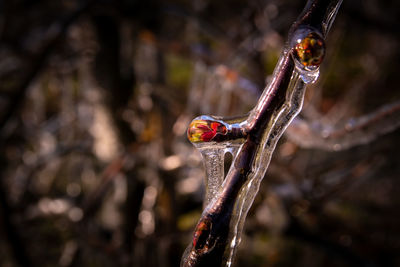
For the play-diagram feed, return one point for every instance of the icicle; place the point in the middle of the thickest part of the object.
(213, 158)
(274, 131)
(308, 76)
(204, 132)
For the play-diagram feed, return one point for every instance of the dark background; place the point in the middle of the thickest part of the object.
(95, 98)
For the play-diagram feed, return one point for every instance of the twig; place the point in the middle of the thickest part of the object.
(218, 230)
(353, 132)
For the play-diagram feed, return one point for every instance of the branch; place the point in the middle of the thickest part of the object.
(218, 230)
(353, 132)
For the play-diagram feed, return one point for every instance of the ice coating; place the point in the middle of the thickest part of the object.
(270, 138)
(227, 206)
(309, 48)
(218, 232)
(308, 76)
(213, 158)
(206, 130)
(308, 52)
(203, 130)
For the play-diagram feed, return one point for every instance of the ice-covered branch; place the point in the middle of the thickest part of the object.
(350, 133)
(218, 231)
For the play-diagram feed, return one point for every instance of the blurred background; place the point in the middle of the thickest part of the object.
(95, 98)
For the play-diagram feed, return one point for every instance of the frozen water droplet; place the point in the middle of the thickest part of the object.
(308, 51)
(308, 76)
(205, 129)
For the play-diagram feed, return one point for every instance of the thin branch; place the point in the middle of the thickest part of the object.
(353, 132)
(214, 241)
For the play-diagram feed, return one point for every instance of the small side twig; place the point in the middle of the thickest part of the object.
(353, 132)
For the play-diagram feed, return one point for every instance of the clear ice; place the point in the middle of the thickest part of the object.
(213, 153)
(213, 158)
(307, 75)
